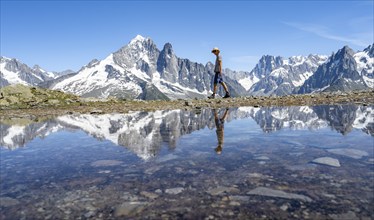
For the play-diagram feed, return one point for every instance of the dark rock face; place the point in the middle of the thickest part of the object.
(370, 50)
(167, 64)
(339, 73)
(151, 92)
(3, 81)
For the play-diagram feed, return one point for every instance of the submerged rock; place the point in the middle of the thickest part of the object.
(129, 209)
(149, 195)
(174, 191)
(327, 161)
(104, 163)
(353, 153)
(222, 189)
(167, 158)
(7, 201)
(263, 191)
(240, 198)
(262, 158)
(349, 215)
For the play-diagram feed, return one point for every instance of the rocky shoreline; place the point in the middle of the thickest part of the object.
(61, 103)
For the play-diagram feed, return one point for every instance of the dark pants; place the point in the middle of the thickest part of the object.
(218, 78)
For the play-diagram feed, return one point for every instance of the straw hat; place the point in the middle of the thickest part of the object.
(215, 49)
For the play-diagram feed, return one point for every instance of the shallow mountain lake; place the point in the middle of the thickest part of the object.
(241, 163)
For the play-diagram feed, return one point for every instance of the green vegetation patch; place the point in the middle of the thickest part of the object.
(21, 96)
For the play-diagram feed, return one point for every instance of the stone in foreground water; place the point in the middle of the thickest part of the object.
(327, 161)
(263, 191)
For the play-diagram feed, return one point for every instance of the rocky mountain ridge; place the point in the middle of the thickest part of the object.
(345, 70)
(279, 76)
(13, 71)
(140, 70)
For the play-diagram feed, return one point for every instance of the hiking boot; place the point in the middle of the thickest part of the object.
(227, 95)
(212, 96)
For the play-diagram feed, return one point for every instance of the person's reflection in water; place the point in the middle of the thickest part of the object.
(220, 129)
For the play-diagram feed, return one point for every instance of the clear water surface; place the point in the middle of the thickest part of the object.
(242, 163)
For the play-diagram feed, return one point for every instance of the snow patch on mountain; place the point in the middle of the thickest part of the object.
(303, 77)
(137, 39)
(174, 90)
(96, 76)
(365, 66)
(248, 82)
(11, 77)
(364, 61)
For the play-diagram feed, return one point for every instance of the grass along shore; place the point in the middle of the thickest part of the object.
(31, 102)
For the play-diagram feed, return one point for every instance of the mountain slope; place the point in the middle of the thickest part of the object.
(343, 71)
(13, 71)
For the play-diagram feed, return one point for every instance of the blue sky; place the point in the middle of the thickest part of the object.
(60, 35)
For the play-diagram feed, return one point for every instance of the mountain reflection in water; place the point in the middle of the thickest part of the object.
(145, 132)
(240, 163)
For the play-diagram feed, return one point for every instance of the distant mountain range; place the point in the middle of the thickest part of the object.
(343, 71)
(13, 71)
(140, 70)
(143, 133)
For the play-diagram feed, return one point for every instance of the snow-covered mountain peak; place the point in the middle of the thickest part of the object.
(318, 59)
(311, 59)
(295, 60)
(266, 64)
(137, 39)
(139, 53)
(140, 43)
(3, 59)
(38, 68)
(342, 53)
(139, 70)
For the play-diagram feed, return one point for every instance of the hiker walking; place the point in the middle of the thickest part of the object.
(218, 75)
